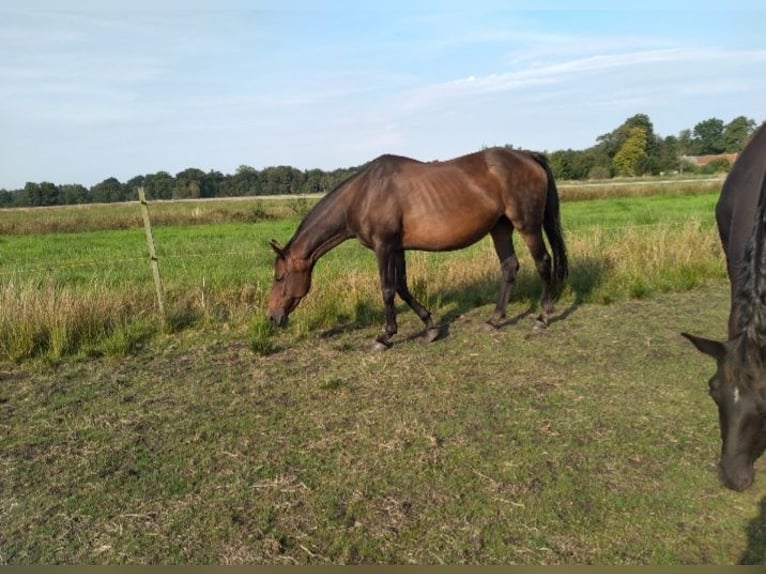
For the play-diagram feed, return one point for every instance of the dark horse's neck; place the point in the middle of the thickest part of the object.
(323, 228)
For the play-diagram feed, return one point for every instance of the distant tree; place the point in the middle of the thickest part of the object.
(685, 142)
(159, 185)
(74, 194)
(245, 181)
(282, 180)
(314, 182)
(707, 137)
(612, 142)
(571, 164)
(213, 183)
(632, 156)
(6, 198)
(736, 134)
(189, 184)
(669, 155)
(31, 195)
(560, 162)
(132, 185)
(49, 193)
(109, 190)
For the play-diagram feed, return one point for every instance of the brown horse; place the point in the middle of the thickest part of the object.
(396, 203)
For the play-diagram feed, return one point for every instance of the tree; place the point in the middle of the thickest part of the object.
(189, 184)
(245, 181)
(49, 193)
(669, 155)
(6, 198)
(107, 191)
(213, 183)
(685, 143)
(707, 137)
(736, 134)
(74, 194)
(30, 195)
(612, 142)
(132, 185)
(159, 185)
(632, 156)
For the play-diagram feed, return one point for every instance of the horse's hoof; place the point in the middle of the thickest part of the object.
(489, 327)
(431, 334)
(540, 325)
(380, 346)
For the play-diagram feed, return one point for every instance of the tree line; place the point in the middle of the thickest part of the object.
(632, 149)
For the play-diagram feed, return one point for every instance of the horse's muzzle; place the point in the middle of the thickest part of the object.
(736, 476)
(278, 317)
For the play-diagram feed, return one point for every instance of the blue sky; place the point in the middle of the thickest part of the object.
(96, 89)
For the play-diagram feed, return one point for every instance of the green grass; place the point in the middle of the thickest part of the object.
(99, 281)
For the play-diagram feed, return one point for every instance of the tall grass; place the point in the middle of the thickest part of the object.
(68, 293)
(606, 265)
(40, 318)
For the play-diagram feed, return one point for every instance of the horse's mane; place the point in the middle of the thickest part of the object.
(750, 292)
(318, 210)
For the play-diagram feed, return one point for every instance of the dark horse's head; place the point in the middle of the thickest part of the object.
(292, 280)
(737, 389)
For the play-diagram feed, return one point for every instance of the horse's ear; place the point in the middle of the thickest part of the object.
(277, 249)
(714, 349)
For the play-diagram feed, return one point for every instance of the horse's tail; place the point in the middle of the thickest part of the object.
(552, 226)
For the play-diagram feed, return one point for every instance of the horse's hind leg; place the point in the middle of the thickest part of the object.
(509, 266)
(431, 331)
(542, 259)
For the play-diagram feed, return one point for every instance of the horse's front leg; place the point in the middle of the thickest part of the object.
(431, 332)
(387, 271)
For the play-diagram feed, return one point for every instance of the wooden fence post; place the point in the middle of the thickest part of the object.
(152, 253)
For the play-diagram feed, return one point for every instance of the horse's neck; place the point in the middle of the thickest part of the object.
(322, 229)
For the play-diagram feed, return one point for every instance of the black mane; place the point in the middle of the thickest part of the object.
(750, 292)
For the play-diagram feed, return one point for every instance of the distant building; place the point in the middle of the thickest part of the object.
(700, 160)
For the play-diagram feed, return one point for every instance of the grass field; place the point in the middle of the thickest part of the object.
(91, 291)
(215, 441)
(594, 442)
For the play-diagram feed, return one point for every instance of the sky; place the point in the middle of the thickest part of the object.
(93, 89)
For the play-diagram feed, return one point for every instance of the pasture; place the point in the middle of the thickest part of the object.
(214, 440)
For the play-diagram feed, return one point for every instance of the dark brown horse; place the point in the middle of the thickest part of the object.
(396, 203)
(739, 385)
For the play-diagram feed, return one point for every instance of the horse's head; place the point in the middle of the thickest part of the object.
(738, 389)
(292, 280)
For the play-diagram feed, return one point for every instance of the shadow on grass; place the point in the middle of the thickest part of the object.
(584, 278)
(755, 553)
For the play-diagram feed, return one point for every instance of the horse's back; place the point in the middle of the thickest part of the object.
(445, 205)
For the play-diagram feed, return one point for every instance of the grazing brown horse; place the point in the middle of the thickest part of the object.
(396, 203)
(739, 385)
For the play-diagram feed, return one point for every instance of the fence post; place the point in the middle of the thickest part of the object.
(152, 253)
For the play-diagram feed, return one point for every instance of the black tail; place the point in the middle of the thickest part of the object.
(552, 226)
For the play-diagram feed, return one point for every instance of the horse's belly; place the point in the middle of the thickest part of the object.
(446, 233)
